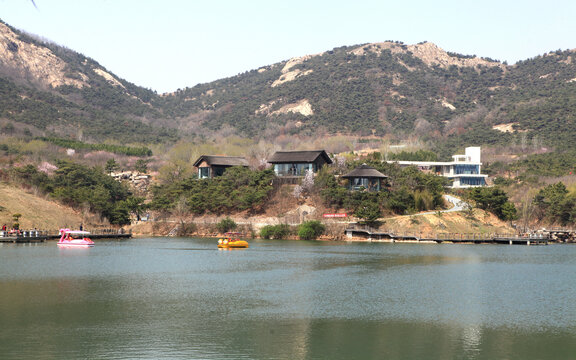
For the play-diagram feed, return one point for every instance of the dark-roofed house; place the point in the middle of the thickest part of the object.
(295, 163)
(210, 166)
(365, 177)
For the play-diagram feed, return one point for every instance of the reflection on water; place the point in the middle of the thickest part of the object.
(183, 299)
(471, 341)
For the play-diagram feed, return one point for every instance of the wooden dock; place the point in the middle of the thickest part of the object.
(37, 236)
(374, 235)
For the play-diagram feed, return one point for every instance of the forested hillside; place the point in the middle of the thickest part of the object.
(395, 90)
(386, 89)
(49, 89)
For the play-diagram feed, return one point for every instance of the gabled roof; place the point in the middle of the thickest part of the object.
(217, 160)
(283, 157)
(365, 171)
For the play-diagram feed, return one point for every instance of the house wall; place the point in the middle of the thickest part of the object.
(473, 153)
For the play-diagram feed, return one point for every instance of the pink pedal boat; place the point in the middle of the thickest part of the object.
(75, 238)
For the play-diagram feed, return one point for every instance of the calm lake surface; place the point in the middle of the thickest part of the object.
(181, 298)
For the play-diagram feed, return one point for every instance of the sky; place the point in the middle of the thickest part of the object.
(165, 45)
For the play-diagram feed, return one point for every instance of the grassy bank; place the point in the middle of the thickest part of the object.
(37, 211)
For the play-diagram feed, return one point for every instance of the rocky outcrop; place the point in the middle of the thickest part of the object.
(429, 53)
(290, 75)
(137, 181)
(302, 107)
(24, 60)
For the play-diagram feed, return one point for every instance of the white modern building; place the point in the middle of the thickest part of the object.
(464, 170)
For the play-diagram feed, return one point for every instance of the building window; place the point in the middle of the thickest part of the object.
(369, 184)
(466, 169)
(359, 183)
(293, 169)
(472, 181)
(204, 173)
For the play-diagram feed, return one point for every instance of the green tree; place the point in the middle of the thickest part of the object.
(509, 212)
(75, 184)
(491, 199)
(226, 225)
(368, 212)
(111, 166)
(238, 189)
(401, 200)
(280, 231)
(556, 204)
(119, 215)
(311, 230)
(141, 166)
(135, 206)
(31, 176)
(16, 217)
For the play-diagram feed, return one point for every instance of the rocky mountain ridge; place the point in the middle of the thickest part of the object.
(50, 90)
(386, 89)
(429, 53)
(39, 65)
(36, 64)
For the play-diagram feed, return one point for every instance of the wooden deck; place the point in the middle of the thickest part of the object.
(454, 238)
(34, 236)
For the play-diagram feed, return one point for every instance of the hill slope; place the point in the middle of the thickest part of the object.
(53, 90)
(393, 89)
(37, 212)
(385, 89)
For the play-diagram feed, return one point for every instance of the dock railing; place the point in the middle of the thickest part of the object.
(109, 231)
(24, 233)
(56, 233)
(393, 235)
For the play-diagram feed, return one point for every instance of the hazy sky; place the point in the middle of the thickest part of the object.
(169, 44)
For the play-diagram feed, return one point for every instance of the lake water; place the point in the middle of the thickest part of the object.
(181, 298)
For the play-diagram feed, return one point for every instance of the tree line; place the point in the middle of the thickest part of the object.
(116, 149)
(77, 185)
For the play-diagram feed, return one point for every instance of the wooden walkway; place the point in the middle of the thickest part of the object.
(454, 238)
(36, 236)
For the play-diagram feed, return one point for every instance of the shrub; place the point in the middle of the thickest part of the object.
(186, 229)
(275, 231)
(494, 200)
(226, 225)
(423, 201)
(238, 189)
(266, 232)
(310, 230)
(368, 212)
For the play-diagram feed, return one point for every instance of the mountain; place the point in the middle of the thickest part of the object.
(395, 89)
(369, 89)
(48, 89)
(384, 89)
